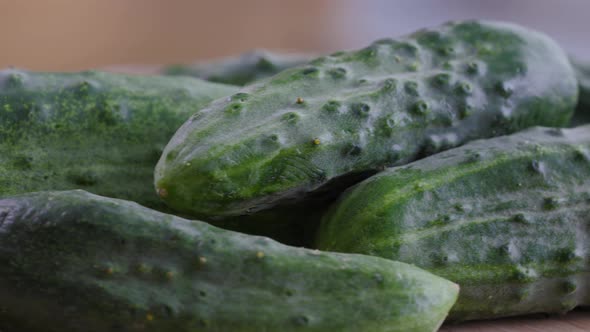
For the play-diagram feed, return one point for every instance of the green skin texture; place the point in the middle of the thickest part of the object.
(74, 261)
(388, 104)
(92, 130)
(582, 114)
(246, 68)
(505, 218)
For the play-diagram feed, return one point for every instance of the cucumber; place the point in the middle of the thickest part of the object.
(308, 131)
(74, 261)
(505, 218)
(91, 130)
(582, 113)
(240, 70)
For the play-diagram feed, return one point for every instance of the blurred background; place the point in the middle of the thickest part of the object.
(57, 35)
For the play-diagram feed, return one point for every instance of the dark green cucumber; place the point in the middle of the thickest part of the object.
(506, 218)
(74, 261)
(309, 130)
(246, 68)
(582, 113)
(97, 131)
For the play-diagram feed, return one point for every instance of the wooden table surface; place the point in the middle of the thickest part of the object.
(576, 321)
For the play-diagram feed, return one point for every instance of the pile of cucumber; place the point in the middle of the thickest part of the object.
(430, 177)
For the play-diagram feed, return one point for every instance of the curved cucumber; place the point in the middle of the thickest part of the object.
(97, 131)
(73, 261)
(505, 218)
(246, 68)
(341, 118)
(582, 114)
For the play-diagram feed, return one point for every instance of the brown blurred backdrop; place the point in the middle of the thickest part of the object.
(80, 34)
(70, 34)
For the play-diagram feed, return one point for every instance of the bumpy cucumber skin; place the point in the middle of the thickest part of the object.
(74, 261)
(582, 113)
(92, 130)
(505, 218)
(354, 113)
(246, 68)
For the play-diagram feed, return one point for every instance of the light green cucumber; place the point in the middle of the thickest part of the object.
(506, 218)
(309, 131)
